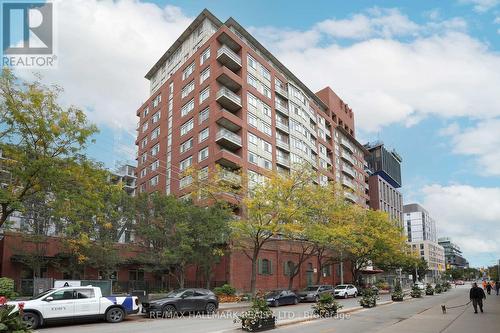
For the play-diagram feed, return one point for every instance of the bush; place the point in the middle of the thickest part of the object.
(382, 285)
(416, 292)
(11, 321)
(397, 294)
(7, 288)
(447, 285)
(438, 289)
(258, 317)
(429, 290)
(368, 299)
(326, 306)
(225, 290)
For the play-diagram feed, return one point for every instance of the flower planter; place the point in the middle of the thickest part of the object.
(260, 324)
(397, 298)
(429, 293)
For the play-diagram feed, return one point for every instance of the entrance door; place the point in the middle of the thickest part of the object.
(309, 274)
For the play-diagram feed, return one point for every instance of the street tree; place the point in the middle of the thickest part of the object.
(272, 208)
(37, 135)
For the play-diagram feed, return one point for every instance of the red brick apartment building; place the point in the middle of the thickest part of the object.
(217, 96)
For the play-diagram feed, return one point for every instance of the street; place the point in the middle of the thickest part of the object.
(222, 321)
(413, 315)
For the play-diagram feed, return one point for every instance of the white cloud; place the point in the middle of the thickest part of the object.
(481, 141)
(467, 214)
(105, 49)
(481, 6)
(437, 71)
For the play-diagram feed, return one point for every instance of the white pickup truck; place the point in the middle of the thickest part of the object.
(72, 303)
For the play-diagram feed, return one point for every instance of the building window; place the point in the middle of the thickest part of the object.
(203, 135)
(136, 275)
(155, 150)
(204, 75)
(145, 127)
(267, 146)
(253, 139)
(252, 120)
(155, 133)
(188, 107)
(186, 163)
(267, 129)
(154, 181)
(157, 100)
(144, 143)
(145, 112)
(204, 56)
(288, 268)
(252, 158)
(186, 145)
(144, 172)
(203, 154)
(265, 267)
(155, 117)
(186, 181)
(187, 126)
(203, 115)
(188, 71)
(251, 62)
(187, 89)
(155, 165)
(204, 94)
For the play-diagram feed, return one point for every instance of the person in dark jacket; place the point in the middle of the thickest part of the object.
(488, 288)
(497, 286)
(477, 295)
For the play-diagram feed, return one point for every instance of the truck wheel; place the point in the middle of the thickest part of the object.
(115, 315)
(31, 320)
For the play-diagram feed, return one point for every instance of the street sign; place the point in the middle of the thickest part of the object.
(67, 283)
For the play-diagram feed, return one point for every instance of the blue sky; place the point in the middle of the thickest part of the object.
(423, 76)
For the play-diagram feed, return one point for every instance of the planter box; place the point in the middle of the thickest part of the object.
(429, 293)
(262, 325)
(397, 299)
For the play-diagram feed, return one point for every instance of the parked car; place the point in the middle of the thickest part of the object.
(313, 293)
(459, 282)
(345, 290)
(420, 285)
(73, 303)
(281, 297)
(180, 301)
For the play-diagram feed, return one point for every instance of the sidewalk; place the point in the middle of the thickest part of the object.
(457, 320)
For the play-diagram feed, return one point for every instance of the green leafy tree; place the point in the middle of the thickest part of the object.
(38, 137)
(271, 209)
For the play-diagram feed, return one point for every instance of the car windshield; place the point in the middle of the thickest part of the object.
(341, 287)
(176, 293)
(274, 293)
(311, 288)
(42, 294)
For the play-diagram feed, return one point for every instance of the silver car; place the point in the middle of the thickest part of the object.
(313, 293)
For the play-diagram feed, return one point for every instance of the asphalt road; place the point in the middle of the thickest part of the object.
(221, 322)
(387, 318)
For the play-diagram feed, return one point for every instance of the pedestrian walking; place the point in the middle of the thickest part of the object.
(484, 284)
(477, 295)
(497, 286)
(488, 289)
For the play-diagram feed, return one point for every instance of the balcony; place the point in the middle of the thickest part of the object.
(348, 158)
(348, 171)
(282, 144)
(281, 108)
(349, 196)
(228, 120)
(348, 183)
(231, 177)
(282, 126)
(228, 159)
(284, 161)
(228, 139)
(228, 99)
(347, 145)
(280, 91)
(228, 79)
(229, 58)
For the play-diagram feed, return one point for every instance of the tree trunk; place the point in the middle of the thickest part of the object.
(253, 277)
(182, 277)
